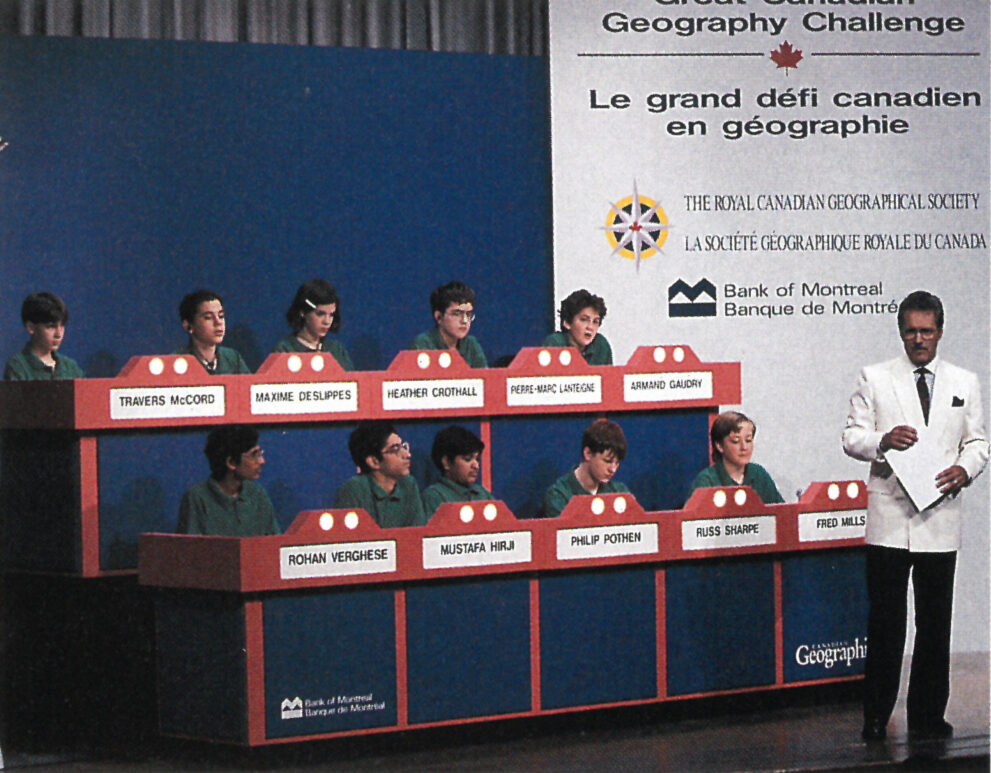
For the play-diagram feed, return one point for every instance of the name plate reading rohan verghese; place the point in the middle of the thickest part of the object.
(433, 393)
(553, 390)
(465, 550)
(337, 559)
(843, 524)
(740, 532)
(319, 397)
(659, 387)
(179, 402)
(605, 541)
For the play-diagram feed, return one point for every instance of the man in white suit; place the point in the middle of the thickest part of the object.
(893, 403)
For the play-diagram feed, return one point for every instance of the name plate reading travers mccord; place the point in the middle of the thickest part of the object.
(658, 387)
(553, 390)
(843, 524)
(337, 559)
(464, 550)
(433, 393)
(604, 541)
(320, 397)
(166, 402)
(728, 532)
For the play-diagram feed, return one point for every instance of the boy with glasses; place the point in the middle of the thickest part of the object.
(453, 307)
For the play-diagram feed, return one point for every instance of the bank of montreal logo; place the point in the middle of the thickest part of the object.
(697, 300)
(292, 708)
(636, 227)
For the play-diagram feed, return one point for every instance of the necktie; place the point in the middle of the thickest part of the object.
(923, 389)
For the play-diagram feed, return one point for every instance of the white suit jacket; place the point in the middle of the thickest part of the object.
(887, 396)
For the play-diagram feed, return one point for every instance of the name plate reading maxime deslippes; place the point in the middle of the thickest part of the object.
(553, 390)
(658, 387)
(843, 524)
(433, 393)
(319, 397)
(337, 559)
(464, 550)
(178, 402)
(604, 541)
(741, 532)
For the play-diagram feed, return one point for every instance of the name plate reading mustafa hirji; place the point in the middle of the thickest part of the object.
(433, 393)
(845, 524)
(179, 402)
(465, 550)
(710, 533)
(660, 387)
(337, 560)
(319, 397)
(553, 390)
(605, 541)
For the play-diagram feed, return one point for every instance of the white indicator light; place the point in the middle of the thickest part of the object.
(317, 363)
(740, 497)
(467, 514)
(351, 520)
(679, 354)
(490, 511)
(544, 358)
(423, 360)
(833, 492)
(180, 366)
(295, 363)
(619, 504)
(326, 521)
(565, 358)
(852, 490)
(598, 506)
(444, 360)
(719, 498)
(156, 366)
(660, 354)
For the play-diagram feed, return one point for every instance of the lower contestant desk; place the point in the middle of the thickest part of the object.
(338, 627)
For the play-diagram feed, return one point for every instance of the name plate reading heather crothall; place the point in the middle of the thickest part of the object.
(464, 550)
(604, 541)
(319, 397)
(844, 524)
(660, 387)
(553, 390)
(166, 402)
(433, 393)
(337, 560)
(728, 532)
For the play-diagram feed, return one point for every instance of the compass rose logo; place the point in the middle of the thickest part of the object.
(636, 227)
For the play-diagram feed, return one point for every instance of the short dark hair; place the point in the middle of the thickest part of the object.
(724, 425)
(228, 442)
(580, 299)
(313, 293)
(452, 292)
(367, 440)
(42, 308)
(454, 441)
(604, 435)
(920, 300)
(191, 303)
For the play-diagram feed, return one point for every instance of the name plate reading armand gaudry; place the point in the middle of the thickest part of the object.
(741, 532)
(605, 541)
(661, 387)
(337, 559)
(840, 524)
(464, 550)
(180, 402)
(433, 393)
(319, 397)
(553, 390)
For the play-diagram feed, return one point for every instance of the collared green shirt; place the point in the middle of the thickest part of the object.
(599, 352)
(468, 347)
(566, 487)
(334, 348)
(208, 509)
(27, 367)
(229, 361)
(754, 476)
(400, 508)
(446, 490)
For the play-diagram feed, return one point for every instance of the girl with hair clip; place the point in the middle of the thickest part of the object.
(315, 311)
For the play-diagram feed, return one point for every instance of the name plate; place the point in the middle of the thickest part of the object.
(553, 390)
(432, 393)
(463, 550)
(602, 541)
(166, 402)
(319, 397)
(337, 560)
(843, 524)
(728, 532)
(658, 387)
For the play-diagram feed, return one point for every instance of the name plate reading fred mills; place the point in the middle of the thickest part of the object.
(842, 524)
(433, 394)
(465, 550)
(740, 532)
(337, 560)
(661, 387)
(553, 390)
(320, 397)
(180, 402)
(605, 541)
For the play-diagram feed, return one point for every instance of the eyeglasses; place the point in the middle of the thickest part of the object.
(258, 453)
(396, 448)
(925, 333)
(467, 316)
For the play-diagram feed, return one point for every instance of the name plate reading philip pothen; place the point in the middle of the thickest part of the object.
(433, 393)
(728, 532)
(179, 402)
(660, 387)
(320, 397)
(844, 524)
(604, 541)
(337, 560)
(553, 390)
(464, 550)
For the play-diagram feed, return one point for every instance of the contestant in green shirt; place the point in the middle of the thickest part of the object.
(457, 454)
(732, 436)
(453, 307)
(603, 448)
(581, 315)
(202, 315)
(315, 312)
(230, 503)
(45, 317)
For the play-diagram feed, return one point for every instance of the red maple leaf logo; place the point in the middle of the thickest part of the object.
(786, 56)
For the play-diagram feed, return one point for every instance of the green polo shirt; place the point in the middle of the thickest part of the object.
(567, 486)
(400, 508)
(596, 353)
(446, 490)
(27, 367)
(229, 361)
(333, 348)
(208, 509)
(754, 476)
(468, 347)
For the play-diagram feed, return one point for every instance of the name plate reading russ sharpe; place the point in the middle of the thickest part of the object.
(320, 397)
(658, 387)
(728, 532)
(433, 393)
(337, 560)
(604, 541)
(464, 550)
(553, 390)
(166, 402)
(843, 524)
